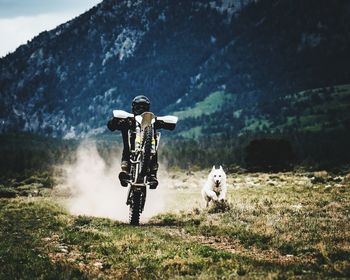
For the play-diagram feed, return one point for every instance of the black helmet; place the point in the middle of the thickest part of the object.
(140, 104)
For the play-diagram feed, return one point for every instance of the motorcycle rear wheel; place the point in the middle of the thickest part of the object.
(146, 158)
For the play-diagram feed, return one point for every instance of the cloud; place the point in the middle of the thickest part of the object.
(16, 8)
(17, 31)
(20, 21)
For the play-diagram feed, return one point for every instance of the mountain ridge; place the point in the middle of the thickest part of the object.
(66, 82)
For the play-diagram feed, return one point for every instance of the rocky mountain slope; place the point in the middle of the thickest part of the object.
(65, 82)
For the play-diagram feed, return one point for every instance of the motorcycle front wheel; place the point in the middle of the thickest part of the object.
(136, 206)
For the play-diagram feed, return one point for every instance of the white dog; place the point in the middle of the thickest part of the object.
(215, 187)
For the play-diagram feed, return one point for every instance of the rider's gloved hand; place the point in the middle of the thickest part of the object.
(112, 124)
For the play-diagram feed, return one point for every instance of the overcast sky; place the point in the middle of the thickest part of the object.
(21, 20)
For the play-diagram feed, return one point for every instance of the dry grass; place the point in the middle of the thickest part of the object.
(285, 218)
(277, 226)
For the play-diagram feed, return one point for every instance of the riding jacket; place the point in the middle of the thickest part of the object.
(126, 124)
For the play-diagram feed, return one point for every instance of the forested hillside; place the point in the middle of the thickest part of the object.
(233, 71)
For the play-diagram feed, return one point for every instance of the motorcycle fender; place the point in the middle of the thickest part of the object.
(120, 114)
(167, 122)
(168, 119)
(146, 119)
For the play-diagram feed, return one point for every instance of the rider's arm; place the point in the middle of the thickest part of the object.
(118, 124)
(160, 124)
(121, 120)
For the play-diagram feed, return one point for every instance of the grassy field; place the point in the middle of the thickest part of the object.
(275, 226)
(313, 110)
(210, 104)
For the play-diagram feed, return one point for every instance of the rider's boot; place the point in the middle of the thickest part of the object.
(152, 178)
(124, 174)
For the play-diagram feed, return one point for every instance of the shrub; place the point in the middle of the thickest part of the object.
(269, 154)
(7, 192)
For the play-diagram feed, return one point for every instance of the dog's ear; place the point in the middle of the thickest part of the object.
(221, 167)
(213, 168)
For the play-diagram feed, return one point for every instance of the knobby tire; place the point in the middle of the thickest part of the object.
(146, 159)
(135, 208)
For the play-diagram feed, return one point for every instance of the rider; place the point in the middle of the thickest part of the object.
(140, 104)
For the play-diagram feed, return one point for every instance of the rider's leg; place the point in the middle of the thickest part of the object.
(124, 174)
(152, 179)
(125, 166)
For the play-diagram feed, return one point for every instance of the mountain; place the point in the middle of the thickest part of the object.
(67, 81)
(226, 67)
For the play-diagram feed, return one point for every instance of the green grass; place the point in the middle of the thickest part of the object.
(191, 133)
(209, 105)
(38, 184)
(310, 111)
(254, 125)
(275, 226)
(319, 112)
(23, 225)
(289, 216)
(39, 240)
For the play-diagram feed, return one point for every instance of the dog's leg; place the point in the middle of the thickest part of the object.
(205, 197)
(208, 199)
(212, 195)
(222, 196)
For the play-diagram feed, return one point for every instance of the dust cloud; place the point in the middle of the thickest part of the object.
(93, 188)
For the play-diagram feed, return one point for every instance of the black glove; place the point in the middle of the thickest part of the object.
(112, 124)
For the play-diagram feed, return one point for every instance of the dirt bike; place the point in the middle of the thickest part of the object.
(143, 145)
